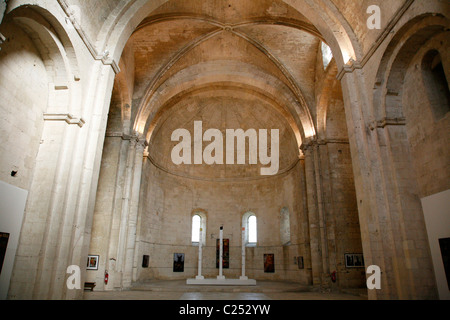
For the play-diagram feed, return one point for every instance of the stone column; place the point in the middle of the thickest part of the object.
(135, 188)
(200, 256)
(243, 251)
(58, 217)
(221, 276)
(47, 214)
(84, 181)
(112, 245)
(303, 231)
(125, 215)
(392, 228)
(322, 200)
(315, 236)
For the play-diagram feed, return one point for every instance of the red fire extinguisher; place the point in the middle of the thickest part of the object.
(106, 277)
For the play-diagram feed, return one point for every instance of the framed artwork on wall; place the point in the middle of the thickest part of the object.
(300, 263)
(354, 260)
(92, 262)
(4, 238)
(145, 261)
(444, 244)
(226, 253)
(178, 262)
(269, 263)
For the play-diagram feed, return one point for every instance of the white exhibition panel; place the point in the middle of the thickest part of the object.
(12, 207)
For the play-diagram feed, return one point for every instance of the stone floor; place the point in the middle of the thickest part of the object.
(264, 290)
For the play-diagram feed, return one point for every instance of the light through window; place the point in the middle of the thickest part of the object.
(196, 225)
(327, 55)
(252, 230)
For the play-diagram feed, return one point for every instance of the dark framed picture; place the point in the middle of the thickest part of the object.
(444, 244)
(178, 262)
(4, 238)
(145, 261)
(269, 263)
(300, 263)
(226, 253)
(92, 262)
(354, 260)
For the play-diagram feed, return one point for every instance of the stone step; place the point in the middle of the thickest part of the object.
(181, 286)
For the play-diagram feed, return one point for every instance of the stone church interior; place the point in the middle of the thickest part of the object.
(356, 94)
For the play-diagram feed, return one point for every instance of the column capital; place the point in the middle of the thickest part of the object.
(312, 143)
(135, 137)
(308, 144)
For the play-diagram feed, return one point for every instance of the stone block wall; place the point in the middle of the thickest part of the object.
(23, 101)
(171, 201)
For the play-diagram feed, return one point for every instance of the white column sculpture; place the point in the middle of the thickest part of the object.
(243, 276)
(200, 257)
(221, 276)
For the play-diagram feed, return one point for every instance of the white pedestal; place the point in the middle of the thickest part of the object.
(224, 282)
(221, 280)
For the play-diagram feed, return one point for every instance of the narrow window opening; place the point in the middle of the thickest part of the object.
(252, 230)
(327, 55)
(196, 225)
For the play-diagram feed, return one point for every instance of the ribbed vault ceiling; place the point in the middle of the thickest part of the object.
(264, 47)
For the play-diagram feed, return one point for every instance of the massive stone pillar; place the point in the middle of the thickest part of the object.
(315, 218)
(392, 227)
(116, 214)
(58, 216)
(332, 216)
(133, 203)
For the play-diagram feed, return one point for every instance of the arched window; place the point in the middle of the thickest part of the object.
(196, 225)
(198, 222)
(250, 223)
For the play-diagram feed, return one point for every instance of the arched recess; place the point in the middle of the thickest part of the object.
(324, 17)
(48, 219)
(58, 54)
(399, 54)
(399, 129)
